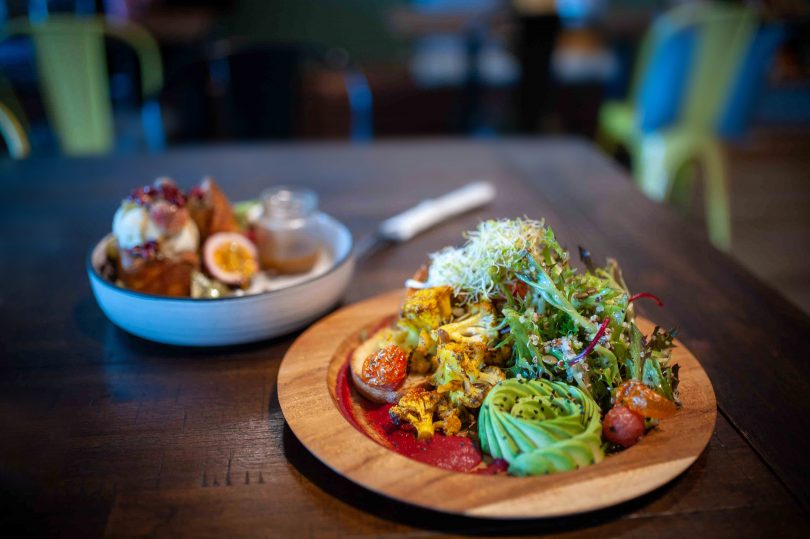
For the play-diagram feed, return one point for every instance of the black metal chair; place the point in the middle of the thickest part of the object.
(246, 91)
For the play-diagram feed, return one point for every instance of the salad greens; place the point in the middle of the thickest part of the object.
(560, 324)
(544, 361)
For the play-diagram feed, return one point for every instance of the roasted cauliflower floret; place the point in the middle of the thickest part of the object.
(423, 358)
(449, 422)
(417, 407)
(479, 328)
(491, 375)
(463, 375)
(396, 336)
(423, 312)
(428, 308)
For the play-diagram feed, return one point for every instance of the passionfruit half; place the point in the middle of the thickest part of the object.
(230, 258)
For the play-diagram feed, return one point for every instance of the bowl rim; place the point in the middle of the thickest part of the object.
(338, 264)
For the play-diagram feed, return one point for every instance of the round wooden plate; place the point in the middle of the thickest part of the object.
(307, 394)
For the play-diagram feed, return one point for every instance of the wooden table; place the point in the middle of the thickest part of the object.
(104, 432)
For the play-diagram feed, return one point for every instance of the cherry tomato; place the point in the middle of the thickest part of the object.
(519, 289)
(622, 426)
(643, 400)
(386, 368)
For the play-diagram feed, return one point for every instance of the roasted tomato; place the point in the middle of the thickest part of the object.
(386, 368)
(643, 400)
(622, 426)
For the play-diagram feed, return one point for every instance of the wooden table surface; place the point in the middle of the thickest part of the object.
(107, 433)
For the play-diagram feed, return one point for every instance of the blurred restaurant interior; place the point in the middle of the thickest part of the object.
(707, 104)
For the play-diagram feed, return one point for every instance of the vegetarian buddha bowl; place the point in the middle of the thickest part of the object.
(506, 359)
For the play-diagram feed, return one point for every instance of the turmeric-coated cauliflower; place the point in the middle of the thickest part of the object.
(463, 375)
(416, 407)
(428, 308)
(480, 326)
(423, 312)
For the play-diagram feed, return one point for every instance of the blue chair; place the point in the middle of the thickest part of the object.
(699, 72)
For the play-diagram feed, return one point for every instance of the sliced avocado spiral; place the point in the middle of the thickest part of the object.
(540, 427)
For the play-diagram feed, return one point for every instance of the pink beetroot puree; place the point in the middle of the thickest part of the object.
(455, 453)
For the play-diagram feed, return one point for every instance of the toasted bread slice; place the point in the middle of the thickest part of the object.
(161, 276)
(377, 394)
(211, 210)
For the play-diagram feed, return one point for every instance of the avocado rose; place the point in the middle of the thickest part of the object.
(540, 427)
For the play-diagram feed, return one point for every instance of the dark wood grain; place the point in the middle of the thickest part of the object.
(105, 432)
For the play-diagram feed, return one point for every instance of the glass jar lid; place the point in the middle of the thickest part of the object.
(284, 203)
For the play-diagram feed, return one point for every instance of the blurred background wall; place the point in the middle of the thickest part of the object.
(707, 104)
(474, 67)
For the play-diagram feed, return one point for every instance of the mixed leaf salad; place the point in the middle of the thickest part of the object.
(541, 363)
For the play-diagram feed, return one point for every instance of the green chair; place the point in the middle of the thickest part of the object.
(72, 68)
(687, 69)
(13, 134)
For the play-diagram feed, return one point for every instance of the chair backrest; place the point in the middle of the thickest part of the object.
(13, 134)
(749, 80)
(243, 90)
(689, 64)
(72, 67)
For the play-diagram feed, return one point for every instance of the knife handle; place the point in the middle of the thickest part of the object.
(431, 212)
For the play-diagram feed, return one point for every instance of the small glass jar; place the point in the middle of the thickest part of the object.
(287, 232)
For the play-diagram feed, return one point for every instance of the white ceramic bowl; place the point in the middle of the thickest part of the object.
(231, 320)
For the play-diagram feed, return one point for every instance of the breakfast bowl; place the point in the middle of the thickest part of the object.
(288, 303)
